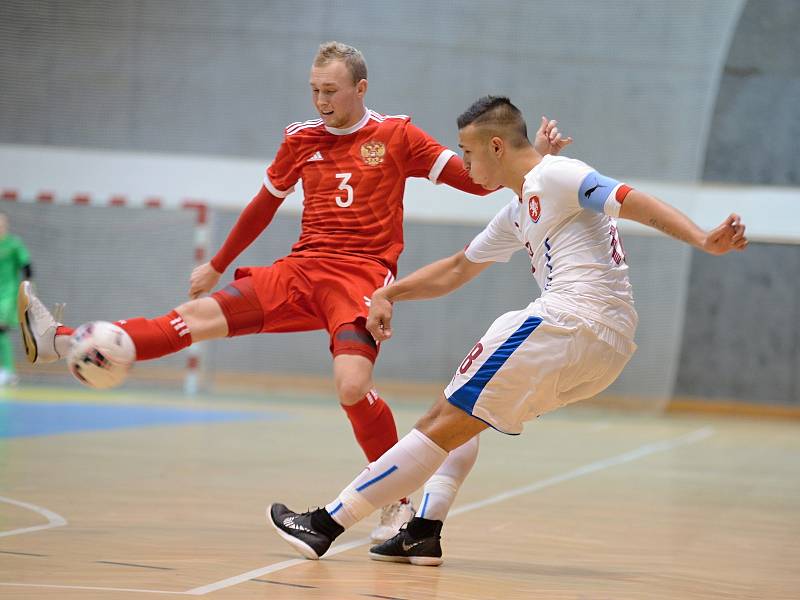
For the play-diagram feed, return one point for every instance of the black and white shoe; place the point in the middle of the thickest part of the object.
(418, 543)
(310, 533)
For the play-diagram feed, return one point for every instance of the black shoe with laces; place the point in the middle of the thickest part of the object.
(417, 542)
(310, 533)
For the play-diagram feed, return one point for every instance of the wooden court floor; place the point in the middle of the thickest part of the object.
(141, 495)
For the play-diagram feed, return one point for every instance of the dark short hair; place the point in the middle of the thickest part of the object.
(498, 114)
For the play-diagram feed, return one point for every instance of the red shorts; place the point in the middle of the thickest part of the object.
(304, 294)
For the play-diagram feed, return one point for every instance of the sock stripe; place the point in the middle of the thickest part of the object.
(386, 473)
(335, 509)
(424, 505)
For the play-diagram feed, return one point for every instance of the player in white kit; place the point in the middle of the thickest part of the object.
(568, 345)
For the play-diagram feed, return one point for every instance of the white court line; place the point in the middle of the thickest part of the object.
(647, 449)
(86, 587)
(237, 579)
(53, 519)
(641, 451)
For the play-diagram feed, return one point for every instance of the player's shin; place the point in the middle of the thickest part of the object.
(157, 337)
(373, 425)
(441, 489)
(400, 471)
(152, 338)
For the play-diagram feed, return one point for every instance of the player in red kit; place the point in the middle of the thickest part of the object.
(353, 163)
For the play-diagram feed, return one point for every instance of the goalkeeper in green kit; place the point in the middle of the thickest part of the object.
(14, 261)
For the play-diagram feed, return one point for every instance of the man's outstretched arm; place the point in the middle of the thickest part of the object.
(649, 210)
(254, 219)
(431, 281)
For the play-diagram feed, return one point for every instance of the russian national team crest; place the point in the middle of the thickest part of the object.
(372, 152)
(534, 208)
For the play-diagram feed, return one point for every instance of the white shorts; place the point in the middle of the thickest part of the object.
(535, 360)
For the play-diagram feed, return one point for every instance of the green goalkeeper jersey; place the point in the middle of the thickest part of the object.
(13, 256)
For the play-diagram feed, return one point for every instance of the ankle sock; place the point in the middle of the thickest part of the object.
(422, 528)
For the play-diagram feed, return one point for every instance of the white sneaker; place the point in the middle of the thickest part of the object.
(393, 517)
(38, 326)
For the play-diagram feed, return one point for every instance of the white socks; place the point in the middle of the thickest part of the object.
(396, 474)
(441, 489)
(62, 344)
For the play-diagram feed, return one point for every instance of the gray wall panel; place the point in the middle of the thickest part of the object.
(214, 77)
(742, 339)
(756, 125)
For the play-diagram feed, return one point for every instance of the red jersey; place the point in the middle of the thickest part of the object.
(353, 182)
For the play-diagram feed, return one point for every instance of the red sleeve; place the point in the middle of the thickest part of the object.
(425, 157)
(455, 175)
(254, 219)
(282, 174)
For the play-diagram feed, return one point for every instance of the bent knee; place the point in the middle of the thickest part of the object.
(430, 420)
(351, 391)
(448, 426)
(204, 318)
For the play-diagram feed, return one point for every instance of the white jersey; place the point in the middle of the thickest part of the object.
(566, 221)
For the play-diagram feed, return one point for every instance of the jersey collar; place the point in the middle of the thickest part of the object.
(352, 128)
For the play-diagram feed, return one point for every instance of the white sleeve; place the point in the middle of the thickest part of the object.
(498, 241)
(580, 185)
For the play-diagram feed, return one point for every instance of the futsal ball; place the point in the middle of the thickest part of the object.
(101, 354)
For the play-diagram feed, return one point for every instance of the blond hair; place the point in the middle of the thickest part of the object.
(352, 57)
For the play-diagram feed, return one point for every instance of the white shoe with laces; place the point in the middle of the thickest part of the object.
(393, 517)
(38, 326)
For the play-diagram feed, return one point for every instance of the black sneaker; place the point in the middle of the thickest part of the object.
(310, 533)
(418, 543)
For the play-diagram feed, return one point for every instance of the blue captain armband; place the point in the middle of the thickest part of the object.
(602, 194)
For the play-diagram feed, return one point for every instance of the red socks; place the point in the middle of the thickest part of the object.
(373, 425)
(151, 337)
(157, 337)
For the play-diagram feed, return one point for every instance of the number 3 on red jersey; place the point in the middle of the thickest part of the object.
(340, 200)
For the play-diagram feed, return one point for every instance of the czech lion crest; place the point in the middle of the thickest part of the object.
(534, 208)
(372, 152)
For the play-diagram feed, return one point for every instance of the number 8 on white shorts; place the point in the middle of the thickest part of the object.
(530, 362)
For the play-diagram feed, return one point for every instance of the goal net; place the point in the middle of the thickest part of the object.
(110, 260)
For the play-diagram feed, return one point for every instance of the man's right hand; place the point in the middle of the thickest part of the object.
(203, 279)
(726, 237)
(548, 139)
(379, 321)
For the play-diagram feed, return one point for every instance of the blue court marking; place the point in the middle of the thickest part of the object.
(28, 419)
(466, 396)
(388, 471)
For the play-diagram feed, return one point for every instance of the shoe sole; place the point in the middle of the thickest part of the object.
(299, 545)
(23, 301)
(420, 561)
